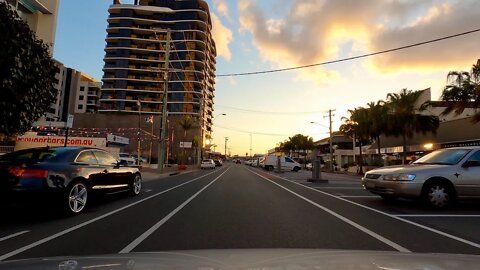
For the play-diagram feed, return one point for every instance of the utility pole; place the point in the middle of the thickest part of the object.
(331, 136)
(250, 144)
(226, 140)
(163, 135)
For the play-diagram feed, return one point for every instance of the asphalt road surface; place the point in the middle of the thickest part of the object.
(236, 206)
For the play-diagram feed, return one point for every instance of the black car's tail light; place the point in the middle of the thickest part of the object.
(28, 173)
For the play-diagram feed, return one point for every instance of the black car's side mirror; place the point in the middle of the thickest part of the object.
(471, 163)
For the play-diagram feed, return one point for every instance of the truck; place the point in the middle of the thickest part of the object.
(287, 163)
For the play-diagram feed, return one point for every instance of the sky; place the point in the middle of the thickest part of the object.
(250, 35)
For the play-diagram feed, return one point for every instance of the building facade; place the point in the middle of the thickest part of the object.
(135, 61)
(78, 93)
(41, 17)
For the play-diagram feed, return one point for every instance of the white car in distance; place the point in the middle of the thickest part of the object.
(126, 158)
(207, 164)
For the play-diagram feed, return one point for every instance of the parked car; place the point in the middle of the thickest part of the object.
(309, 166)
(248, 162)
(142, 159)
(254, 163)
(218, 162)
(286, 163)
(207, 164)
(126, 158)
(68, 174)
(437, 178)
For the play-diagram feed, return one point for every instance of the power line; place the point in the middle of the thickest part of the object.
(258, 133)
(350, 58)
(266, 112)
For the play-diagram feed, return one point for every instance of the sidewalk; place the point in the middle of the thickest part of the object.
(151, 173)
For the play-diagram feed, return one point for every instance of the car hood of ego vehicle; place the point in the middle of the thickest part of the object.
(254, 259)
(411, 168)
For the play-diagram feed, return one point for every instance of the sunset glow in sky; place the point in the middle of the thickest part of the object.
(268, 34)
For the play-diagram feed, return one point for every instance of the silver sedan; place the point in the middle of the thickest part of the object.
(437, 178)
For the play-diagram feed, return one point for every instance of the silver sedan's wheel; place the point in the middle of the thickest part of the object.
(77, 197)
(136, 185)
(438, 195)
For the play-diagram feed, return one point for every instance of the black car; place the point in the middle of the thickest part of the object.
(68, 173)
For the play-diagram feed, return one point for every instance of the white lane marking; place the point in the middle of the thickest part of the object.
(434, 215)
(147, 190)
(473, 244)
(13, 235)
(353, 196)
(71, 229)
(155, 227)
(334, 187)
(344, 219)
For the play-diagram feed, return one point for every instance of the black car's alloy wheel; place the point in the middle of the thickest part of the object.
(77, 197)
(136, 185)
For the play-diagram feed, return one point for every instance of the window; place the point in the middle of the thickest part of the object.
(80, 107)
(287, 159)
(444, 156)
(82, 88)
(475, 157)
(81, 97)
(105, 158)
(86, 157)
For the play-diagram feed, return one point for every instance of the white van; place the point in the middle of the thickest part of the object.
(287, 163)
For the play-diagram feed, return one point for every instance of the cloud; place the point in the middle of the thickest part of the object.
(222, 36)
(320, 30)
(222, 8)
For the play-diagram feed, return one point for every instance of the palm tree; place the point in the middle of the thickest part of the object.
(357, 126)
(405, 119)
(377, 114)
(463, 91)
(186, 123)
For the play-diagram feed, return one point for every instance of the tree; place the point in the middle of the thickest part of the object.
(187, 124)
(463, 91)
(405, 119)
(357, 126)
(377, 118)
(27, 74)
(297, 142)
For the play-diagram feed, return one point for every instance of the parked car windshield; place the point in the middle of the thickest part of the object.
(443, 157)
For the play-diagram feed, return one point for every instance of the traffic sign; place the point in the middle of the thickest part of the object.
(70, 121)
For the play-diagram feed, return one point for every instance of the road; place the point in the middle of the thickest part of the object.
(236, 206)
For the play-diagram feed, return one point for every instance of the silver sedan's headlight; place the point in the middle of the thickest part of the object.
(399, 177)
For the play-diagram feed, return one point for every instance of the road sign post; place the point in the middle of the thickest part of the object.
(68, 125)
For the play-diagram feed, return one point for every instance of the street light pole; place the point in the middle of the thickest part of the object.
(226, 140)
(162, 144)
(139, 103)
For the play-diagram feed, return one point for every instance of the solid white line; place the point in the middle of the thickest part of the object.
(71, 229)
(336, 187)
(433, 215)
(473, 244)
(365, 196)
(344, 219)
(13, 235)
(148, 232)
